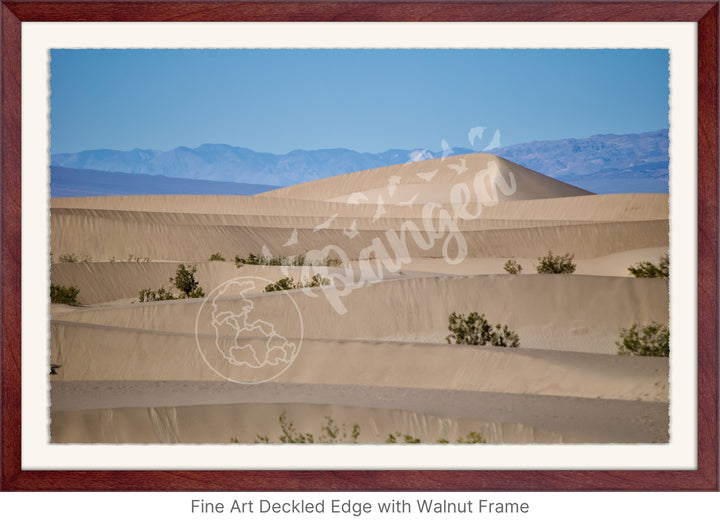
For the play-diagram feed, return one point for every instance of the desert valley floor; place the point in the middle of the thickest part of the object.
(370, 347)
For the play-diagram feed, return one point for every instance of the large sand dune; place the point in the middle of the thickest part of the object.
(432, 180)
(101, 234)
(373, 347)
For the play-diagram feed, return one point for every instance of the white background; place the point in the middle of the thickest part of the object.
(679, 38)
(590, 509)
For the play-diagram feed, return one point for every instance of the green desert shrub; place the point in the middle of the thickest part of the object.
(512, 267)
(288, 283)
(255, 260)
(290, 434)
(399, 438)
(331, 433)
(649, 270)
(296, 260)
(315, 281)
(217, 256)
(64, 294)
(473, 437)
(645, 340)
(184, 281)
(556, 263)
(148, 295)
(476, 330)
(334, 434)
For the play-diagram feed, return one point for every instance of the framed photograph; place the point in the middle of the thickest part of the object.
(304, 246)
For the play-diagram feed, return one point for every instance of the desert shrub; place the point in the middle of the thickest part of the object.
(72, 257)
(315, 281)
(148, 295)
(251, 259)
(475, 330)
(186, 282)
(473, 437)
(331, 433)
(217, 256)
(556, 263)
(647, 340)
(332, 262)
(64, 294)
(399, 438)
(288, 283)
(296, 260)
(290, 434)
(512, 267)
(256, 260)
(649, 270)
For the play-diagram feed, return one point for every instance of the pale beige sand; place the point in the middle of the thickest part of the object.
(384, 363)
(116, 238)
(573, 421)
(564, 312)
(135, 355)
(111, 282)
(109, 228)
(432, 180)
(264, 210)
(244, 422)
(105, 282)
(612, 265)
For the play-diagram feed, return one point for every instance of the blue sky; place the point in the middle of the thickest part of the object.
(366, 100)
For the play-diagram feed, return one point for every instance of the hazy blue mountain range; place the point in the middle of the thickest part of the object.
(604, 163)
(65, 182)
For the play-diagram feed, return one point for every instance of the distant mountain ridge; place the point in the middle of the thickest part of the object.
(638, 162)
(603, 163)
(67, 182)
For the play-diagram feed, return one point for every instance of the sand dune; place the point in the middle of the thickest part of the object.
(371, 349)
(107, 235)
(110, 282)
(582, 313)
(105, 282)
(614, 264)
(432, 180)
(245, 422)
(573, 420)
(175, 357)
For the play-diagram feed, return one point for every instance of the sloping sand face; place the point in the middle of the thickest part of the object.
(433, 180)
(260, 422)
(581, 313)
(588, 226)
(408, 246)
